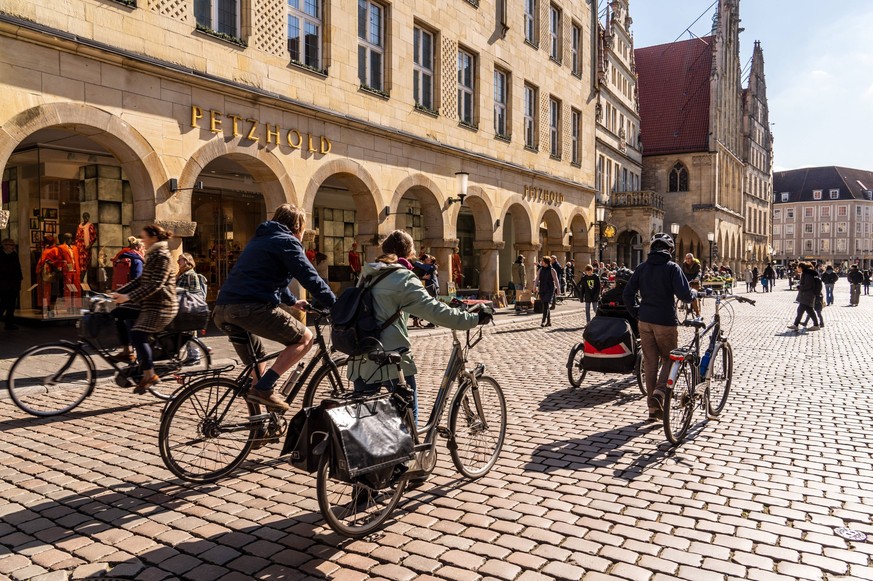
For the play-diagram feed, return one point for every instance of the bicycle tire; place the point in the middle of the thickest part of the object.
(494, 407)
(332, 512)
(28, 386)
(640, 372)
(317, 390)
(725, 357)
(173, 460)
(176, 366)
(679, 399)
(575, 373)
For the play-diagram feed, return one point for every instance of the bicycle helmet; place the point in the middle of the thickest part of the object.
(662, 241)
(623, 275)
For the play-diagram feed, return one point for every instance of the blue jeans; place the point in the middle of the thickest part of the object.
(364, 388)
(829, 294)
(588, 307)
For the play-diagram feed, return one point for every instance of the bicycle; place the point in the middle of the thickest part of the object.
(699, 381)
(53, 378)
(210, 414)
(477, 416)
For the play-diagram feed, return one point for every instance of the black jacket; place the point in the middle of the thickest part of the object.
(659, 281)
(856, 276)
(806, 288)
(769, 273)
(10, 271)
(830, 277)
(589, 286)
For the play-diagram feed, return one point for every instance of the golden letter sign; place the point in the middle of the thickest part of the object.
(253, 130)
(542, 196)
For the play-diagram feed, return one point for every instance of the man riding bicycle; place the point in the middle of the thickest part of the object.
(255, 292)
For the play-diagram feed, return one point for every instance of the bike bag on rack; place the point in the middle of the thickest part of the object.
(610, 346)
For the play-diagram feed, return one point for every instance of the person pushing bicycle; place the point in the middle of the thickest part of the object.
(255, 291)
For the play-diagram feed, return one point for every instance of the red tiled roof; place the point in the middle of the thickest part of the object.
(674, 95)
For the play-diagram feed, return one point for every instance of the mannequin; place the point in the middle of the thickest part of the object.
(86, 238)
(70, 261)
(47, 270)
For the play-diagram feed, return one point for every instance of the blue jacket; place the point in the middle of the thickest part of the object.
(658, 281)
(136, 263)
(267, 265)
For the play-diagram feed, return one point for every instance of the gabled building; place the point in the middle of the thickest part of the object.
(823, 214)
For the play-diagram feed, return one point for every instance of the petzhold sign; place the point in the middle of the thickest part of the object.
(254, 130)
(542, 196)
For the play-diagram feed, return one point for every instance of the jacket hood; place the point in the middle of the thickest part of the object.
(383, 262)
(271, 228)
(131, 254)
(660, 256)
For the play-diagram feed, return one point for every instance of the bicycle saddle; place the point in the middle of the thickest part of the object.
(696, 323)
(385, 357)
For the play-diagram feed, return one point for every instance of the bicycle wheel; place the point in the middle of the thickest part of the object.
(477, 440)
(192, 348)
(640, 372)
(207, 430)
(575, 373)
(325, 385)
(354, 510)
(679, 405)
(720, 379)
(51, 379)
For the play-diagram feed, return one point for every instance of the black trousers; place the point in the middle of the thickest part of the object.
(805, 310)
(8, 298)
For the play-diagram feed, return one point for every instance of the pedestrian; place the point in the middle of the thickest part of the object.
(519, 273)
(355, 261)
(755, 278)
(808, 288)
(829, 279)
(770, 277)
(748, 277)
(659, 282)
(10, 283)
(691, 270)
(559, 270)
(457, 270)
(866, 282)
(570, 273)
(547, 285)
(590, 291)
(856, 279)
(188, 279)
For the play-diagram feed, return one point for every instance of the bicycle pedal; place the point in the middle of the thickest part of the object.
(443, 432)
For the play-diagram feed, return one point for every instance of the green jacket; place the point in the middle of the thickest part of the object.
(405, 292)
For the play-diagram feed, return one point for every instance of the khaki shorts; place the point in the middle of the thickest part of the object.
(260, 320)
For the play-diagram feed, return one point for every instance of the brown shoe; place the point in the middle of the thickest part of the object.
(269, 399)
(144, 384)
(125, 356)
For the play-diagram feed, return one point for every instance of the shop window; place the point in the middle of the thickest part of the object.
(530, 117)
(304, 32)
(501, 101)
(678, 178)
(466, 88)
(371, 45)
(423, 67)
(530, 21)
(222, 16)
(555, 128)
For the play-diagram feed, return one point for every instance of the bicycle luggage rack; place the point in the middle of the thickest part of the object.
(187, 376)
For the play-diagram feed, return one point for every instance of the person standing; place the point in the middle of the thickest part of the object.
(856, 279)
(755, 278)
(829, 279)
(806, 293)
(355, 261)
(559, 270)
(10, 283)
(86, 238)
(457, 268)
(589, 286)
(748, 278)
(570, 273)
(519, 273)
(866, 282)
(691, 270)
(659, 282)
(770, 275)
(547, 285)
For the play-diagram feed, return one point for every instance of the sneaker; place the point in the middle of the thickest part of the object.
(793, 327)
(269, 399)
(814, 328)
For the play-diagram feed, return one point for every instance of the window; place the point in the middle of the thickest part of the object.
(777, 230)
(789, 214)
(555, 33)
(679, 178)
(218, 15)
(841, 245)
(858, 211)
(575, 46)
(808, 212)
(530, 21)
(575, 122)
(824, 245)
(422, 68)
(807, 246)
(530, 116)
(371, 45)
(599, 176)
(816, 194)
(789, 229)
(466, 94)
(554, 127)
(789, 246)
(785, 196)
(842, 228)
(825, 211)
(835, 194)
(777, 214)
(807, 229)
(825, 227)
(304, 32)
(842, 211)
(501, 98)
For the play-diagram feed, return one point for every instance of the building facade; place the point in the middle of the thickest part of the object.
(206, 115)
(692, 118)
(633, 215)
(758, 157)
(823, 214)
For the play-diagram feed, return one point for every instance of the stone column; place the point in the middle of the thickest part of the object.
(489, 267)
(530, 253)
(442, 250)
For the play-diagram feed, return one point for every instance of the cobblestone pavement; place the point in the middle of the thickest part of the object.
(584, 489)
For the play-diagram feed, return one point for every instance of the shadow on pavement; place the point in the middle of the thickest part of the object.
(591, 395)
(28, 421)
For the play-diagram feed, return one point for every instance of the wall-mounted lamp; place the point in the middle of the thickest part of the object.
(566, 231)
(462, 179)
(497, 223)
(674, 229)
(173, 185)
(387, 211)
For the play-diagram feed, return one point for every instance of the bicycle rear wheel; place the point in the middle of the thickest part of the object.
(354, 510)
(575, 372)
(327, 385)
(720, 379)
(640, 372)
(477, 438)
(207, 430)
(52, 379)
(679, 405)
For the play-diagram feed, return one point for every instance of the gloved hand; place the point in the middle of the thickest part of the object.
(486, 315)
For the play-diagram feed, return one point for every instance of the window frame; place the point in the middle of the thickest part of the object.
(555, 127)
(834, 193)
(531, 116)
(304, 18)
(419, 70)
(785, 196)
(575, 49)
(825, 212)
(555, 33)
(680, 171)
(502, 106)
(816, 194)
(789, 215)
(531, 22)
(842, 211)
(808, 228)
(575, 134)
(808, 212)
(213, 26)
(471, 89)
(371, 48)
(777, 214)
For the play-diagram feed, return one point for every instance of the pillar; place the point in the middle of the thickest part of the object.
(442, 250)
(489, 267)
(530, 253)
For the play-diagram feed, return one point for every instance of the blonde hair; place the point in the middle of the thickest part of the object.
(134, 242)
(189, 259)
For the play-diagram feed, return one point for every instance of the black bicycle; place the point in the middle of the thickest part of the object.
(53, 378)
(209, 428)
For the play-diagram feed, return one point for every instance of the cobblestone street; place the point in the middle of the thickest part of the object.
(585, 487)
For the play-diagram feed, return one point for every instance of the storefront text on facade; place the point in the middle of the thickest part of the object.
(542, 196)
(253, 130)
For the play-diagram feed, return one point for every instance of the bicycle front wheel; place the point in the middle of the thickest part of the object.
(575, 372)
(720, 379)
(325, 384)
(193, 355)
(207, 430)
(354, 510)
(679, 405)
(477, 431)
(52, 379)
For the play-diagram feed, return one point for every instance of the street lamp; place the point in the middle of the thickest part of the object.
(674, 230)
(711, 237)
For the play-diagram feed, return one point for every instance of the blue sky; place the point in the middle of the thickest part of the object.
(818, 63)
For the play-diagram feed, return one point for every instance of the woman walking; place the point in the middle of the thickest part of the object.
(194, 283)
(519, 273)
(547, 285)
(748, 276)
(806, 295)
(154, 293)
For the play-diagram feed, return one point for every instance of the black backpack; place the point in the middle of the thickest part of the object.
(355, 328)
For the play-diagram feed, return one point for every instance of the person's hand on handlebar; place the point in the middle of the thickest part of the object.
(300, 305)
(119, 299)
(485, 313)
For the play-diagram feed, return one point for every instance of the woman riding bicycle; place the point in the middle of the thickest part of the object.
(397, 296)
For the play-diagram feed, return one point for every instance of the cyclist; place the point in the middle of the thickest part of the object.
(691, 270)
(659, 281)
(403, 293)
(256, 290)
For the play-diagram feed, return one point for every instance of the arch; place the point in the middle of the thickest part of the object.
(362, 187)
(630, 245)
(689, 241)
(521, 214)
(140, 162)
(264, 167)
(479, 204)
(678, 178)
(554, 241)
(429, 196)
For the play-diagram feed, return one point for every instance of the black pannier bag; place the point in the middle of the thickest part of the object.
(609, 346)
(307, 438)
(193, 312)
